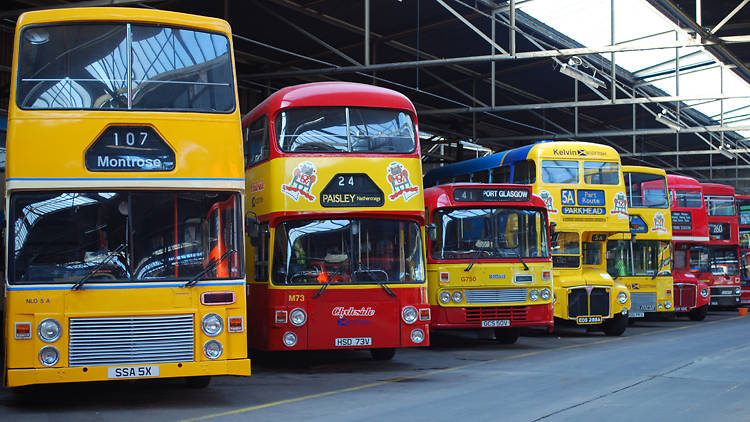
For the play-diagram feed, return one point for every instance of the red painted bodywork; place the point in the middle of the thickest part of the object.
(744, 250)
(386, 326)
(720, 282)
(542, 315)
(686, 285)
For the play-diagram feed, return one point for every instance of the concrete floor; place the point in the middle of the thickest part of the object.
(657, 371)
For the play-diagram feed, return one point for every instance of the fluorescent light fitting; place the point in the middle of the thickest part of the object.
(581, 76)
(666, 121)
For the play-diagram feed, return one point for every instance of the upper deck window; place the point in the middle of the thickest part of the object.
(120, 66)
(743, 208)
(601, 173)
(687, 199)
(646, 190)
(345, 130)
(720, 205)
(554, 171)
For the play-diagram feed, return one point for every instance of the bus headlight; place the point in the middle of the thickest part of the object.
(409, 314)
(289, 339)
(534, 295)
(668, 304)
(212, 325)
(297, 317)
(546, 294)
(49, 331)
(622, 297)
(736, 290)
(704, 292)
(445, 297)
(417, 335)
(457, 296)
(213, 349)
(49, 355)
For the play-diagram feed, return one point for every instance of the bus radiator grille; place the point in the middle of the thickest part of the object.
(131, 340)
(684, 295)
(513, 313)
(496, 296)
(580, 303)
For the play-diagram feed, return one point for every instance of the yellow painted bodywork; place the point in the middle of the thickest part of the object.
(45, 151)
(659, 221)
(614, 220)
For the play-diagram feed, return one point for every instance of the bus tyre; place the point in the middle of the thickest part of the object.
(698, 314)
(198, 382)
(383, 354)
(507, 335)
(616, 325)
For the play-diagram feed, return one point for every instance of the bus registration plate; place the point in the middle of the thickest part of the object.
(133, 372)
(353, 341)
(637, 314)
(496, 323)
(589, 320)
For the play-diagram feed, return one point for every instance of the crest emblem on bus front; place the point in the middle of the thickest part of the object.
(549, 202)
(620, 206)
(303, 179)
(659, 221)
(398, 177)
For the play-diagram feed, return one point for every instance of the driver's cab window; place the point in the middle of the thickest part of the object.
(592, 253)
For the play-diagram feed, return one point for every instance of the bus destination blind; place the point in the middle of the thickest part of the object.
(130, 148)
(491, 195)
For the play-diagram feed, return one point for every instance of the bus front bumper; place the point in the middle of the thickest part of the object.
(458, 318)
(21, 377)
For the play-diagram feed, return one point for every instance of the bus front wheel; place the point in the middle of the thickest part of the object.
(616, 325)
(383, 354)
(698, 314)
(507, 335)
(198, 382)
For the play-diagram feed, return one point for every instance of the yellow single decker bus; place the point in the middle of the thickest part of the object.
(642, 259)
(125, 192)
(582, 187)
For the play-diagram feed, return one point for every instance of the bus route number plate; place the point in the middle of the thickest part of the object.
(589, 320)
(496, 323)
(130, 148)
(133, 372)
(353, 341)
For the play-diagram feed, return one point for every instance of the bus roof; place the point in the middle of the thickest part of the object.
(643, 169)
(540, 149)
(442, 195)
(331, 94)
(717, 189)
(676, 181)
(126, 14)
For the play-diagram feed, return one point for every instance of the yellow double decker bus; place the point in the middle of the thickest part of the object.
(581, 185)
(642, 259)
(124, 197)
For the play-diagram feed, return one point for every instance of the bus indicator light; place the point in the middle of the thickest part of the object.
(281, 317)
(424, 314)
(445, 277)
(235, 324)
(23, 330)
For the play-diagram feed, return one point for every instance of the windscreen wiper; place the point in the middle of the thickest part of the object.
(387, 289)
(78, 284)
(473, 260)
(193, 281)
(321, 290)
(518, 254)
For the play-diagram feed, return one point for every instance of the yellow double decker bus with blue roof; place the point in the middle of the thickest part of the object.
(124, 199)
(582, 187)
(642, 259)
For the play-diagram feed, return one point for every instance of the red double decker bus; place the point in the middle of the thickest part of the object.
(489, 264)
(722, 270)
(335, 249)
(689, 235)
(743, 212)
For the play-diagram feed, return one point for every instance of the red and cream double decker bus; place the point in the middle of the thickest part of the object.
(722, 270)
(335, 246)
(488, 262)
(689, 235)
(743, 212)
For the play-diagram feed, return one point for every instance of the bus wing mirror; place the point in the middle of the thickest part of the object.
(252, 227)
(552, 233)
(431, 231)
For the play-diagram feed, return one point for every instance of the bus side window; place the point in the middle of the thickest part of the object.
(524, 172)
(482, 176)
(261, 254)
(257, 142)
(445, 181)
(501, 174)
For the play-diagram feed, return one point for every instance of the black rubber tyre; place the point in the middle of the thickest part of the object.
(616, 325)
(383, 354)
(198, 382)
(507, 335)
(698, 314)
